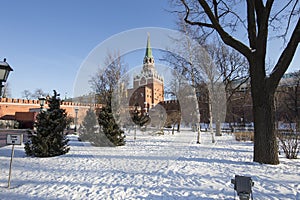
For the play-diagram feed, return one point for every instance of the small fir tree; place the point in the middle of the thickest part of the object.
(140, 118)
(49, 139)
(89, 123)
(109, 127)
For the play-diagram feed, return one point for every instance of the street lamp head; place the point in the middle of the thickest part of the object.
(4, 70)
(42, 101)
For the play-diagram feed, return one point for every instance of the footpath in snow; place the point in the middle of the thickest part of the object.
(151, 167)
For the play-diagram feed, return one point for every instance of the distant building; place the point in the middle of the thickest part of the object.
(287, 100)
(148, 86)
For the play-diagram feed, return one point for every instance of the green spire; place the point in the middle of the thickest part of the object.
(148, 48)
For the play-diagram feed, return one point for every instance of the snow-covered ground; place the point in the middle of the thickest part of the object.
(152, 167)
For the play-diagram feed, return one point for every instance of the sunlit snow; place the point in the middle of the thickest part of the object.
(151, 167)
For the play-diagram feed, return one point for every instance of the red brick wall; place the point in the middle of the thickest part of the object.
(25, 116)
(10, 106)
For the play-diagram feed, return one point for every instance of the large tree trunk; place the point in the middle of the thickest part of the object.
(265, 142)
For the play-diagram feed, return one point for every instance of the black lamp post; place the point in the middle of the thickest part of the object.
(76, 118)
(42, 102)
(4, 72)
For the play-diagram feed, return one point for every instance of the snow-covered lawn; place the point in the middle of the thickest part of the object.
(152, 167)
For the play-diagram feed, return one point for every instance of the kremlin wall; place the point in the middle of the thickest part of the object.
(24, 111)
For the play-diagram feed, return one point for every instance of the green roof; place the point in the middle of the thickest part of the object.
(148, 48)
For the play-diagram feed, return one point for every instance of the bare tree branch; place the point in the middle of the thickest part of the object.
(285, 58)
(227, 38)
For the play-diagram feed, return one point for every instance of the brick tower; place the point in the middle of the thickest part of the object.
(148, 86)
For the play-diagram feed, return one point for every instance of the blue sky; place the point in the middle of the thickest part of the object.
(45, 42)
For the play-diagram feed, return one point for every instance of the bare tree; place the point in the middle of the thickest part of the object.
(38, 93)
(233, 71)
(104, 83)
(26, 94)
(110, 86)
(192, 73)
(262, 17)
(107, 78)
(232, 66)
(229, 68)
